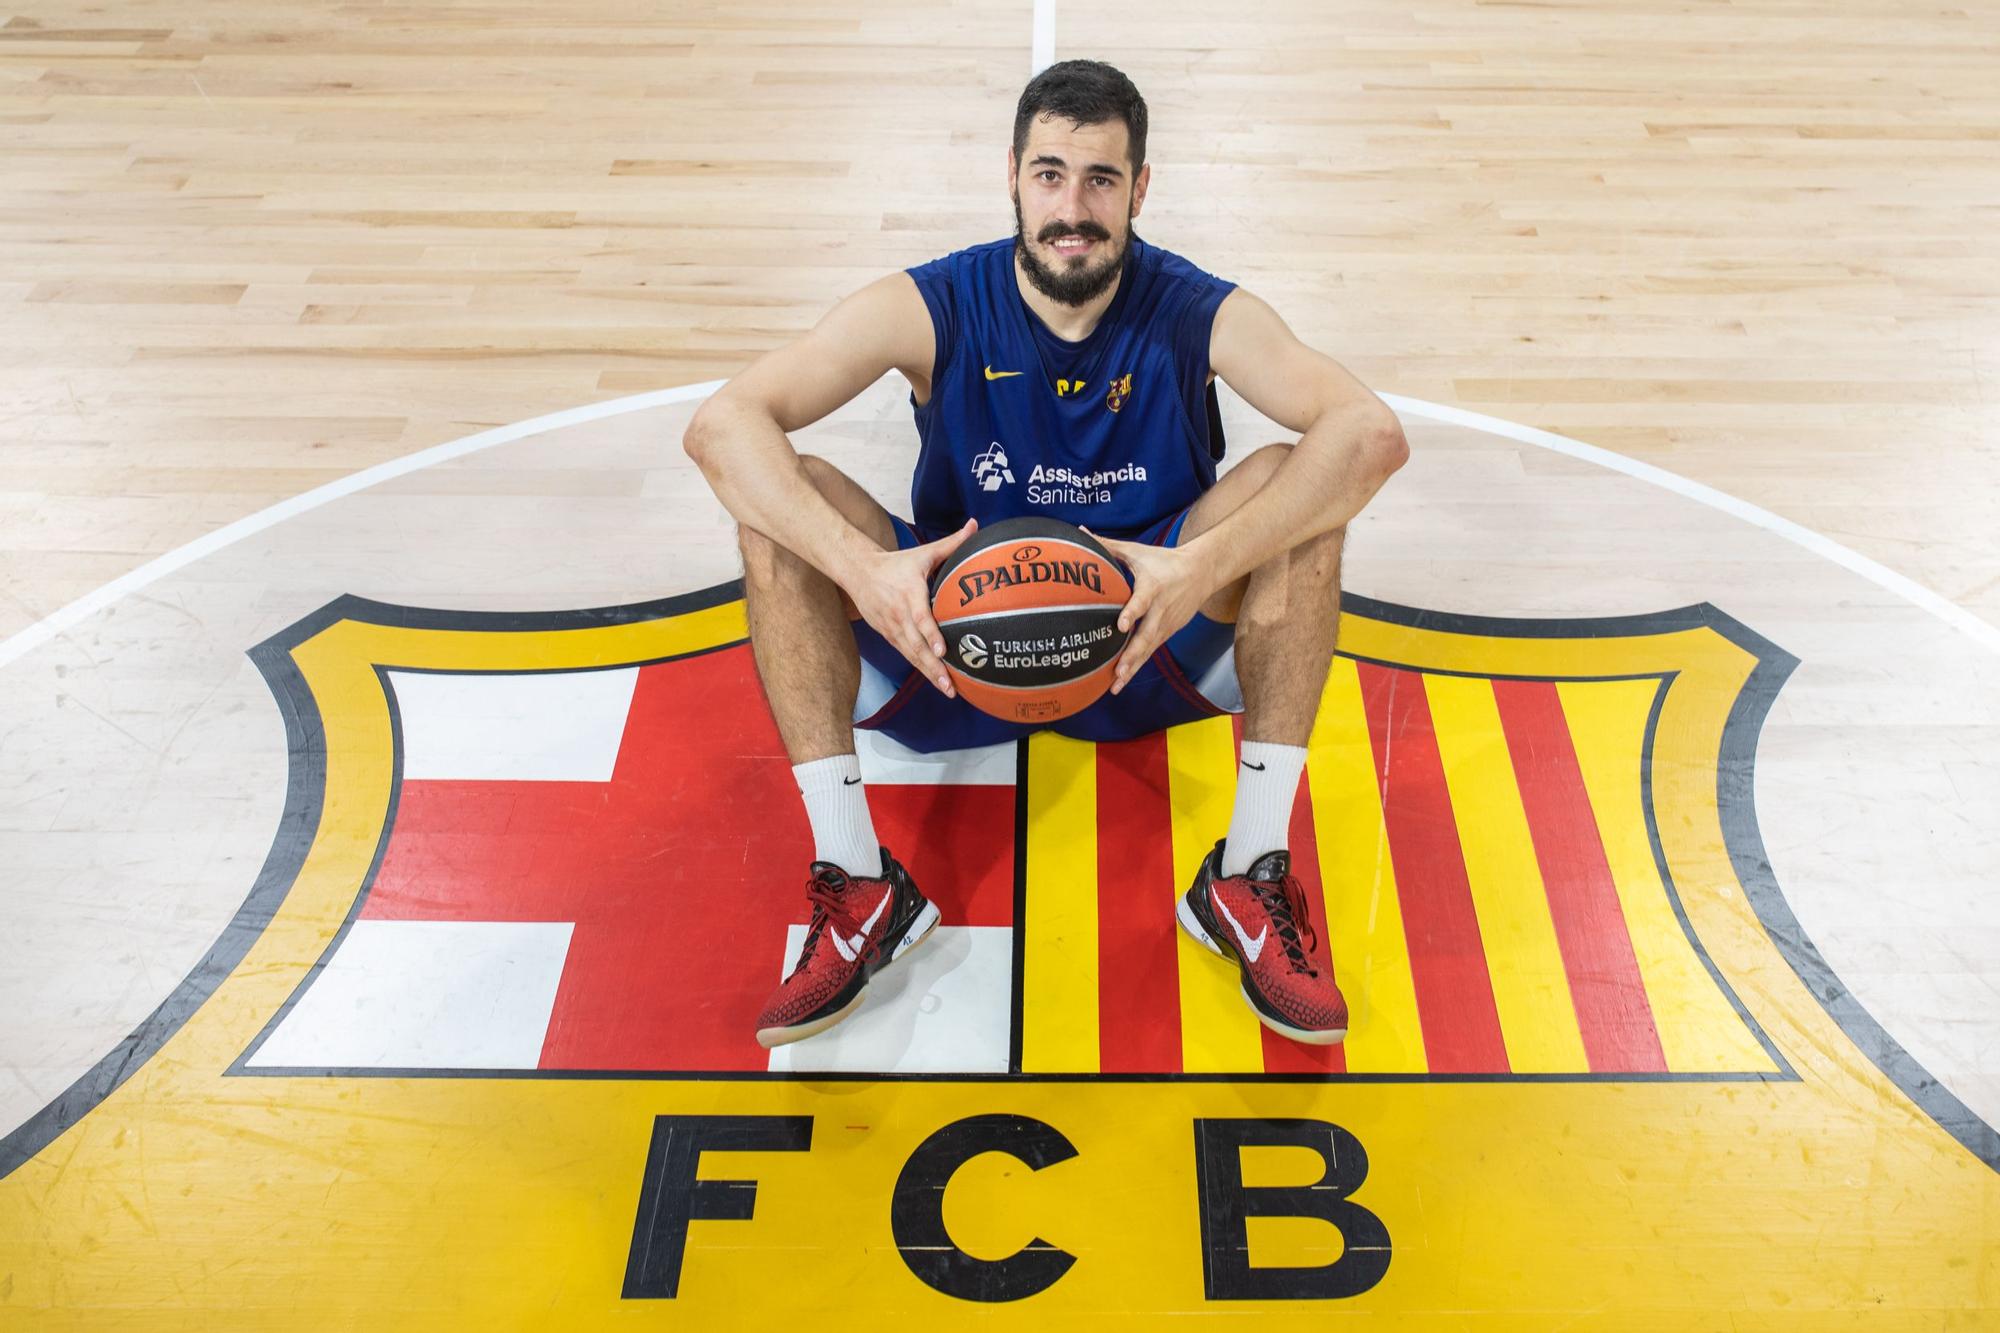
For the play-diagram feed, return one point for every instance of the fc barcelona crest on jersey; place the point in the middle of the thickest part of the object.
(1120, 390)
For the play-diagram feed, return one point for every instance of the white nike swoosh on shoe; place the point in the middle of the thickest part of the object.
(1251, 948)
(851, 950)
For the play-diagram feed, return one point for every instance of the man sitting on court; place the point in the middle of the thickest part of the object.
(1064, 372)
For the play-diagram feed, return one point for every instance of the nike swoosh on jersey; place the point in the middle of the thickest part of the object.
(851, 949)
(993, 374)
(1251, 948)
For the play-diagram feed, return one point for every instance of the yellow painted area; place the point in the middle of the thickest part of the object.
(189, 1200)
(1219, 1033)
(1059, 962)
(1699, 1030)
(1530, 985)
(1371, 959)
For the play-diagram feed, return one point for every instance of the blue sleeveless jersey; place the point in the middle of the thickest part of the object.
(1114, 432)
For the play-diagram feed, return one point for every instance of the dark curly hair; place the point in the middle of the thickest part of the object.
(1084, 92)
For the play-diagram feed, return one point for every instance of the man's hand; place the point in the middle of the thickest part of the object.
(892, 591)
(1168, 586)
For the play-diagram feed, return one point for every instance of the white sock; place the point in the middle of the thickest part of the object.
(1267, 783)
(837, 807)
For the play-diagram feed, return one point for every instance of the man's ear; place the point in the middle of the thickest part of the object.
(1013, 169)
(1139, 183)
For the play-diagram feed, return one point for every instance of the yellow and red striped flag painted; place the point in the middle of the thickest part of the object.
(1478, 851)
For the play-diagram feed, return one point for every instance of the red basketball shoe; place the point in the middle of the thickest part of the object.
(1259, 918)
(859, 926)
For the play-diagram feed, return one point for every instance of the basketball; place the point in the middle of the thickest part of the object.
(1029, 613)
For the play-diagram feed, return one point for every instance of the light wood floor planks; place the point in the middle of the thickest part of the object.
(248, 249)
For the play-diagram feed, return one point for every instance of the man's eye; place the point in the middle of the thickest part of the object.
(1103, 180)
(1045, 172)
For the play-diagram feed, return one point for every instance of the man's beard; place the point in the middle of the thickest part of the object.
(1066, 286)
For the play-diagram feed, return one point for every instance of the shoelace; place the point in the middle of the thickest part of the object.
(829, 898)
(1285, 900)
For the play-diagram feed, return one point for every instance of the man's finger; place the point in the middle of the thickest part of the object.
(924, 646)
(1111, 544)
(1135, 609)
(927, 630)
(1129, 662)
(938, 550)
(925, 661)
(1147, 635)
(1127, 554)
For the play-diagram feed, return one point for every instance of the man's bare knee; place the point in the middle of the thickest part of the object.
(852, 501)
(766, 564)
(1234, 489)
(821, 473)
(765, 560)
(767, 553)
(1263, 462)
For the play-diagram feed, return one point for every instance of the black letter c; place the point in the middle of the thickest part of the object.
(916, 1213)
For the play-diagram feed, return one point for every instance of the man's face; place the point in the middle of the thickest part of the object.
(1074, 184)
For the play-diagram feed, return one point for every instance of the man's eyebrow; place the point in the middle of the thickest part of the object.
(1050, 159)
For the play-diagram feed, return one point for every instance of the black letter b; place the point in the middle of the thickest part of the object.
(1227, 1203)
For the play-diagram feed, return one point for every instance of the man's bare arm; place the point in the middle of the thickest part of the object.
(738, 440)
(739, 436)
(1352, 442)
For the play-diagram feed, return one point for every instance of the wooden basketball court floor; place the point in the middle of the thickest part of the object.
(379, 739)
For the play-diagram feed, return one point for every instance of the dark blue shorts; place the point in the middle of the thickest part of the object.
(1192, 675)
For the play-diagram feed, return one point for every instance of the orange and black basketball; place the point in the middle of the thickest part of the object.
(1029, 613)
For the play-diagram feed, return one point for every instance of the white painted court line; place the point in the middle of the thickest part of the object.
(48, 627)
(39, 633)
(35, 635)
(1798, 534)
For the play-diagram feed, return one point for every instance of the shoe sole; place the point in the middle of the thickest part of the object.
(920, 929)
(1184, 913)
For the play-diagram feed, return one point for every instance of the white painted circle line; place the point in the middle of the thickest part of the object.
(42, 631)
(34, 636)
(1043, 45)
(1798, 534)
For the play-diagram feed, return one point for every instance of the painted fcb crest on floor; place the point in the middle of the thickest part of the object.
(600, 869)
(498, 983)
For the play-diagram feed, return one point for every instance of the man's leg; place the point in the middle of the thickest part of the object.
(1287, 613)
(799, 632)
(870, 912)
(810, 669)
